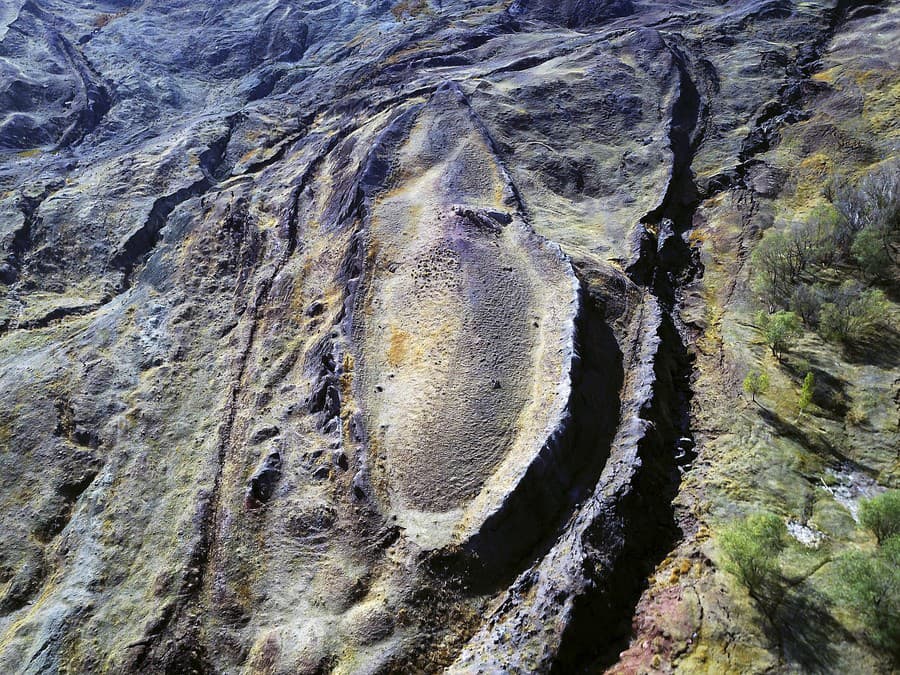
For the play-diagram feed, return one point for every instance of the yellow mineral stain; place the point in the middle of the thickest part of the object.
(398, 346)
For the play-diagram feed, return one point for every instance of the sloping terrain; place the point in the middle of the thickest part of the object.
(409, 336)
(467, 328)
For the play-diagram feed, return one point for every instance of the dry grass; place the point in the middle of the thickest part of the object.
(409, 9)
(102, 20)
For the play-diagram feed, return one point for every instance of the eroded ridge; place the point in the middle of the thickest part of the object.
(465, 331)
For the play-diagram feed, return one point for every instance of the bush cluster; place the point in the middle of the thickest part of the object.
(881, 514)
(864, 582)
(870, 219)
(859, 229)
(869, 582)
(751, 547)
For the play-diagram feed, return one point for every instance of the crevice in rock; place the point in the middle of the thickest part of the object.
(264, 480)
(97, 99)
(140, 244)
(187, 649)
(788, 108)
(632, 533)
(285, 144)
(664, 262)
(68, 427)
(138, 247)
(93, 98)
(451, 53)
(25, 584)
(69, 490)
(22, 239)
(54, 316)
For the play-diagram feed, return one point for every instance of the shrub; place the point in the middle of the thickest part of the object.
(811, 243)
(779, 330)
(778, 261)
(756, 383)
(806, 392)
(406, 9)
(102, 20)
(871, 252)
(821, 230)
(774, 271)
(853, 313)
(869, 584)
(881, 514)
(806, 302)
(856, 416)
(751, 547)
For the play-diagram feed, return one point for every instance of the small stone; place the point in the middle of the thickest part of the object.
(262, 484)
(263, 433)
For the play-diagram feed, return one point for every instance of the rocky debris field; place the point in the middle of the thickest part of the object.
(409, 336)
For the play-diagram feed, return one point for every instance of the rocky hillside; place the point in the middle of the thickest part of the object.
(410, 336)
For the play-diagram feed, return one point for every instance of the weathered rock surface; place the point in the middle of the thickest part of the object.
(352, 336)
(465, 316)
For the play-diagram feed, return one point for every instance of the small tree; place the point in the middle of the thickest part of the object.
(853, 313)
(756, 383)
(780, 329)
(806, 392)
(872, 252)
(869, 584)
(751, 547)
(881, 514)
(774, 269)
(821, 229)
(806, 301)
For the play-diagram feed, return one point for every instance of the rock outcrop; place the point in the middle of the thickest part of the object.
(350, 336)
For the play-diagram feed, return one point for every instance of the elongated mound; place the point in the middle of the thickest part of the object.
(408, 336)
(466, 329)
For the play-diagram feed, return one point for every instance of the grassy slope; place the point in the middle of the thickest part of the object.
(694, 616)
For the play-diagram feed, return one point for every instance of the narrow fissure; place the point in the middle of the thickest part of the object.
(664, 264)
(188, 653)
(601, 620)
(141, 243)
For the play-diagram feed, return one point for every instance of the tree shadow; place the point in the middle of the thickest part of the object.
(789, 430)
(829, 392)
(807, 632)
(882, 350)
